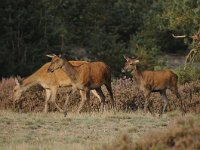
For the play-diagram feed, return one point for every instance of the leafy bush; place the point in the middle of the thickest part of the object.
(191, 73)
(149, 58)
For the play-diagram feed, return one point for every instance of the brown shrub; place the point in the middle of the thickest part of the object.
(127, 96)
(180, 136)
(183, 135)
(6, 88)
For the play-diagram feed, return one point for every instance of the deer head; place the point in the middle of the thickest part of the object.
(17, 91)
(130, 64)
(56, 62)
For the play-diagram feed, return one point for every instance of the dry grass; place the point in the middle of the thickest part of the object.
(182, 134)
(84, 131)
(34, 130)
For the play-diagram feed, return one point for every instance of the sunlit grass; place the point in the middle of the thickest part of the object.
(76, 131)
(181, 133)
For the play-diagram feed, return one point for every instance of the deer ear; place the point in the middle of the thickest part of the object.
(50, 55)
(17, 82)
(125, 57)
(19, 79)
(62, 56)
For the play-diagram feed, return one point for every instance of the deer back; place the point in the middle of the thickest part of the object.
(159, 79)
(93, 73)
(56, 78)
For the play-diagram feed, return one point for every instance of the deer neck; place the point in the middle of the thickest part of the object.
(29, 82)
(70, 71)
(137, 75)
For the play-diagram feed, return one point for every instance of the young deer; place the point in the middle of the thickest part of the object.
(153, 81)
(85, 77)
(49, 81)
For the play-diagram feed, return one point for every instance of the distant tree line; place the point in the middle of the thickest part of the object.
(103, 29)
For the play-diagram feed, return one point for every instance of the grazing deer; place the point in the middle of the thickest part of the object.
(49, 81)
(85, 77)
(152, 81)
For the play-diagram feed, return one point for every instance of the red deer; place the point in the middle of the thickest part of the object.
(49, 81)
(86, 77)
(152, 81)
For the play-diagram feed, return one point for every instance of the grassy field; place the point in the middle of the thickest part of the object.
(30, 129)
(84, 131)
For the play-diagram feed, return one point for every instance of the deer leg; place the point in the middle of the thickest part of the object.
(96, 94)
(66, 102)
(147, 94)
(102, 99)
(47, 97)
(109, 88)
(83, 99)
(88, 100)
(65, 106)
(175, 91)
(53, 99)
(165, 101)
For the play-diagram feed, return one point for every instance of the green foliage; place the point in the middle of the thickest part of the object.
(149, 58)
(183, 15)
(197, 57)
(105, 30)
(32, 29)
(191, 73)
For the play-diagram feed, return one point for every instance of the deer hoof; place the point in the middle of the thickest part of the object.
(65, 114)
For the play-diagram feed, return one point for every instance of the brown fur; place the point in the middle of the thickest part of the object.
(50, 81)
(159, 80)
(88, 76)
(153, 81)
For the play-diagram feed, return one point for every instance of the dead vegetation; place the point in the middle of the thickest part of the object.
(128, 98)
(182, 135)
(89, 131)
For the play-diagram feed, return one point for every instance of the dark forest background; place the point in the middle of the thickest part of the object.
(92, 30)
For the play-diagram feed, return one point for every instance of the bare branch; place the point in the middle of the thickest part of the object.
(190, 57)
